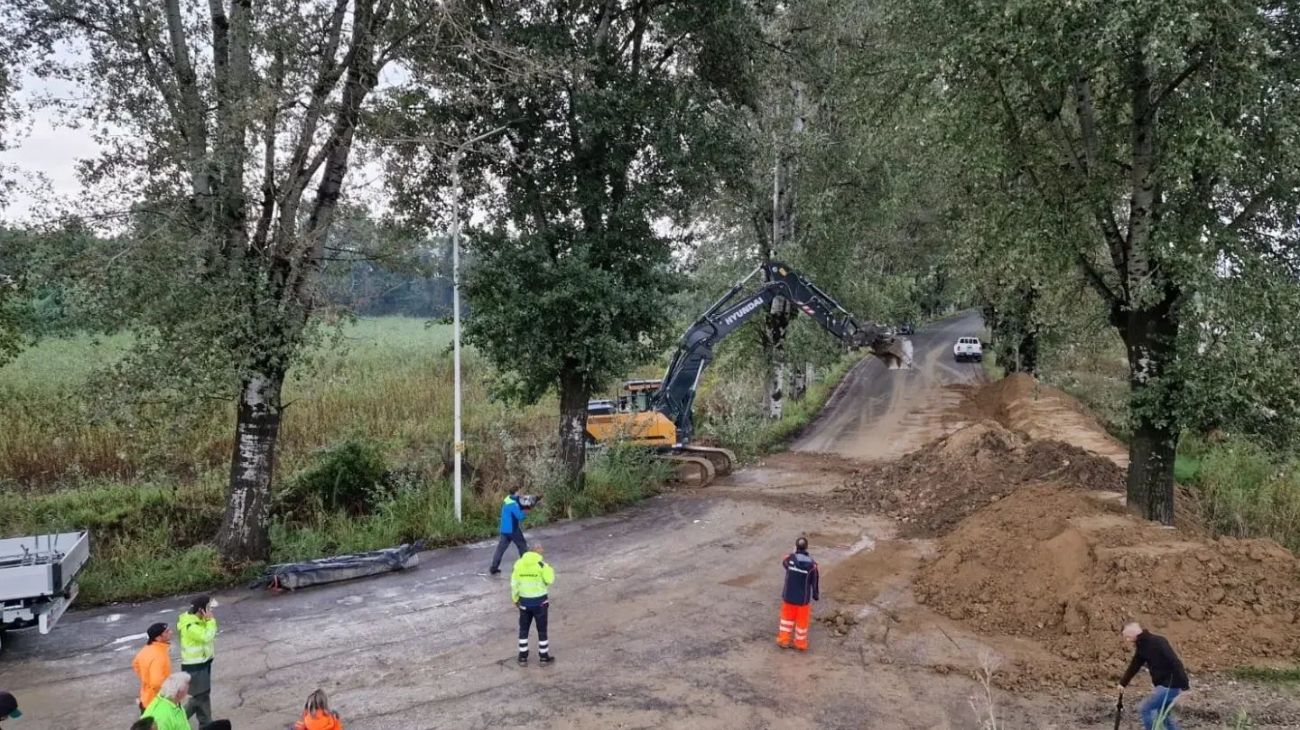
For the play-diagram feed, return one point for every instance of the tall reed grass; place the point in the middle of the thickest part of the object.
(152, 493)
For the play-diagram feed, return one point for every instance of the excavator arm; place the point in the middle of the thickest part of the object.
(676, 394)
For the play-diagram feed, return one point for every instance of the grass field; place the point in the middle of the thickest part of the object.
(152, 491)
(386, 378)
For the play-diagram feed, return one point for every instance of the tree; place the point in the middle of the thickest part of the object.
(860, 203)
(234, 123)
(8, 110)
(1153, 144)
(10, 332)
(622, 119)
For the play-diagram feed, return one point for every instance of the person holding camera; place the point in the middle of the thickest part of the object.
(513, 513)
(802, 587)
(197, 629)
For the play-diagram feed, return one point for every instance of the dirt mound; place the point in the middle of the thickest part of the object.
(1041, 412)
(930, 490)
(1067, 568)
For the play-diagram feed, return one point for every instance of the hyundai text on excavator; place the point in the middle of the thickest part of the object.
(657, 413)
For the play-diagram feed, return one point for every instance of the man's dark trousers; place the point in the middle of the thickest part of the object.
(528, 614)
(517, 537)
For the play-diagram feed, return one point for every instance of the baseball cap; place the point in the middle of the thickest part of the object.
(155, 631)
(8, 706)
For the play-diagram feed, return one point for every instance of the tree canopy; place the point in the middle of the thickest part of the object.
(612, 116)
(1149, 145)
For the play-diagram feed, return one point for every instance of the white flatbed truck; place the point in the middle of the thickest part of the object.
(38, 578)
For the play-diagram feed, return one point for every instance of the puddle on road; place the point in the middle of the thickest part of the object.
(836, 540)
(742, 581)
(866, 543)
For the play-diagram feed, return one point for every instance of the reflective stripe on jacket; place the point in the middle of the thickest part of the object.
(198, 638)
(152, 665)
(530, 578)
(167, 715)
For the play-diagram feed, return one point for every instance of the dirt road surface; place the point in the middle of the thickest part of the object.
(663, 616)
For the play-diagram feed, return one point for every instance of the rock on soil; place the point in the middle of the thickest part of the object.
(931, 489)
(1059, 565)
(838, 622)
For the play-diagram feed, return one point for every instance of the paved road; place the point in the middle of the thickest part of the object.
(663, 616)
(878, 413)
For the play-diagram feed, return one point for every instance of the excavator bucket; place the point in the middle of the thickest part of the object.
(896, 352)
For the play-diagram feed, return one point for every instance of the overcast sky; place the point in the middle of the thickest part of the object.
(45, 148)
(41, 145)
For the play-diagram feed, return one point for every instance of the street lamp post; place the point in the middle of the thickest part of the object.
(458, 445)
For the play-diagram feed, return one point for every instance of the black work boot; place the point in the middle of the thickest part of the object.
(546, 659)
(523, 658)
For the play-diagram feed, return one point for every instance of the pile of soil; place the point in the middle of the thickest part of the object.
(1068, 568)
(1041, 412)
(932, 489)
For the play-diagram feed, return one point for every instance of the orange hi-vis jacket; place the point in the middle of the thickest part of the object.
(319, 721)
(152, 665)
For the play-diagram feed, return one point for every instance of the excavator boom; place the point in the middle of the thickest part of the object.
(666, 423)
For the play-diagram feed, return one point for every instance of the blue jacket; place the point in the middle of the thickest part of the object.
(512, 516)
(802, 585)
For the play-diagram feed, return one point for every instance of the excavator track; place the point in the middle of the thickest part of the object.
(691, 471)
(723, 460)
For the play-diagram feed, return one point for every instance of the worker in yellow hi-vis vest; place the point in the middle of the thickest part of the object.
(529, 584)
(197, 629)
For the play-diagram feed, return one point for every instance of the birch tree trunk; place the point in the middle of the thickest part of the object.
(244, 535)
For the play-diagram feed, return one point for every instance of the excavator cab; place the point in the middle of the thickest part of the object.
(637, 396)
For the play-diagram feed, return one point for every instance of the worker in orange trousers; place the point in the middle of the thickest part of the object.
(802, 587)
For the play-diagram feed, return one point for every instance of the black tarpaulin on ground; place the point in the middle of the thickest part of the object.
(292, 576)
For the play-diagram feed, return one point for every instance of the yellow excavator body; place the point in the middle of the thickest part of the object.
(646, 428)
(629, 419)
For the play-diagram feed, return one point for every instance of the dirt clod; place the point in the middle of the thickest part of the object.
(839, 622)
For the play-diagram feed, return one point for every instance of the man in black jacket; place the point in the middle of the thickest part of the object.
(1167, 675)
(802, 587)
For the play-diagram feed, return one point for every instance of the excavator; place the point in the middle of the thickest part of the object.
(657, 413)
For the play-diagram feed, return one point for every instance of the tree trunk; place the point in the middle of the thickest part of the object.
(1150, 337)
(776, 390)
(574, 393)
(775, 324)
(244, 530)
(1028, 352)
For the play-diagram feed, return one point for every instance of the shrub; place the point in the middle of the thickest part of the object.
(615, 476)
(1245, 491)
(349, 477)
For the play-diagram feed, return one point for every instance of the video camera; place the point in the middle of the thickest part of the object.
(528, 501)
